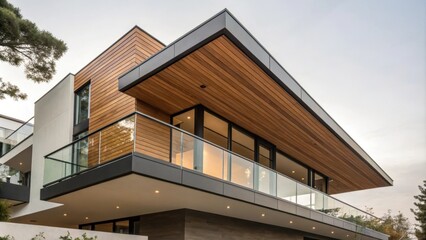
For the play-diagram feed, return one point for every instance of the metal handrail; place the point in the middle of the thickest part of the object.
(24, 124)
(210, 143)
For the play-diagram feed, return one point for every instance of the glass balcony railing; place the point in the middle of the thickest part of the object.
(11, 175)
(9, 139)
(142, 134)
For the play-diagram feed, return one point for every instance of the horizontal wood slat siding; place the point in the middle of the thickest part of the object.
(152, 139)
(107, 104)
(240, 91)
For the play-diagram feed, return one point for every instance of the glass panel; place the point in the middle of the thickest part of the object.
(330, 207)
(11, 175)
(286, 188)
(82, 104)
(213, 160)
(303, 195)
(242, 144)
(104, 227)
(265, 156)
(317, 199)
(241, 171)
(10, 138)
(117, 140)
(290, 168)
(185, 121)
(319, 182)
(265, 180)
(122, 227)
(177, 147)
(215, 130)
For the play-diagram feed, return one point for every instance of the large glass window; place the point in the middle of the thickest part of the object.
(265, 153)
(242, 144)
(291, 169)
(185, 121)
(319, 182)
(82, 104)
(215, 130)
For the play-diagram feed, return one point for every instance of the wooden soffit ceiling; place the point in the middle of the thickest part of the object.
(242, 86)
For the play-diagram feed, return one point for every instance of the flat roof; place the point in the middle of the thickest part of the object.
(224, 23)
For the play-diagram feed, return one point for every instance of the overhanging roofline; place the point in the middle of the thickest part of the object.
(224, 23)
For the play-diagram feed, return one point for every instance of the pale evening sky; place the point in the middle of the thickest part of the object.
(363, 61)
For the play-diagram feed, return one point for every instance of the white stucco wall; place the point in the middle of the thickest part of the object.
(53, 121)
(26, 232)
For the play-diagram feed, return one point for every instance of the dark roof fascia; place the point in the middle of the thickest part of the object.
(224, 23)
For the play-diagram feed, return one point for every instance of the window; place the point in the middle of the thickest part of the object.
(82, 105)
(127, 226)
(185, 121)
(319, 182)
(291, 169)
(265, 154)
(242, 144)
(215, 130)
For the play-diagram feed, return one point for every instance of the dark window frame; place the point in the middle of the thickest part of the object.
(83, 125)
(131, 220)
(199, 127)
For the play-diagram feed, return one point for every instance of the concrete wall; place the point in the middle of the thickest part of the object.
(53, 124)
(26, 232)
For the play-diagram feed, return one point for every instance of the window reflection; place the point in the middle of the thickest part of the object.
(82, 104)
(319, 182)
(290, 168)
(242, 144)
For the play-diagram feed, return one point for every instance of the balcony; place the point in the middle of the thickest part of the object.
(10, 140)
(212, 169)
(13, 185)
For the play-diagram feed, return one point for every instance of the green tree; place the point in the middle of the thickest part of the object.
(4, 211)
(420, 212)
(21, 42)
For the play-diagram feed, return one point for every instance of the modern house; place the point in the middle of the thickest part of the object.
(208, 137)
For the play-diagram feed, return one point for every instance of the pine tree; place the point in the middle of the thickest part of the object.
(21, 42)
(420, 212)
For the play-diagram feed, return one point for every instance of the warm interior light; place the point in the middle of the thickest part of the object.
(20, 163)
(228, 207)
(293, 171)
(189, 117)
(117, 207)
(313, 228)
(332, 232)
(65, 214)
(263, 214)
(156, 191)
(291, 222)
(87, 218)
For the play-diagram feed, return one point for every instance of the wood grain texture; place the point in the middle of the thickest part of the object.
(107, 104)
(240, 91)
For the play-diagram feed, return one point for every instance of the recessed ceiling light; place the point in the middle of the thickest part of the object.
(303, 178)
(291, 222)
(228, 207)
(20, 163)
(117, 207)
(65, 214)
(313, 228)
(332, 232)
(157, 191)
(293, 171)
(188, 117)
(87, 218)
(347, 235)
(203, 86)
(263, 214)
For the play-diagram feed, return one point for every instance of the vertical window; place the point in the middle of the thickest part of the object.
(291, 169)
(215, 130)
(264, 157)
(82, 105)
(319, 182)
(185, 121)
(242, 144)
(81, 152)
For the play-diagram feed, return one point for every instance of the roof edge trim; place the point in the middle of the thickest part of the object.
(224, 23)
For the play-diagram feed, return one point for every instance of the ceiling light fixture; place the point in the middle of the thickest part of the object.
(332, 232)
(188, 117)
(118, 207)
(87, 218)
(313, 228)
(293, 171)
(228, 207)
(20, 163)
(263, 214)
(157, 191)
(65, 214)
(291, 222)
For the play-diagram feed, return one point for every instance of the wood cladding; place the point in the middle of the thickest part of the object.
(240, 91)
(107, 104)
